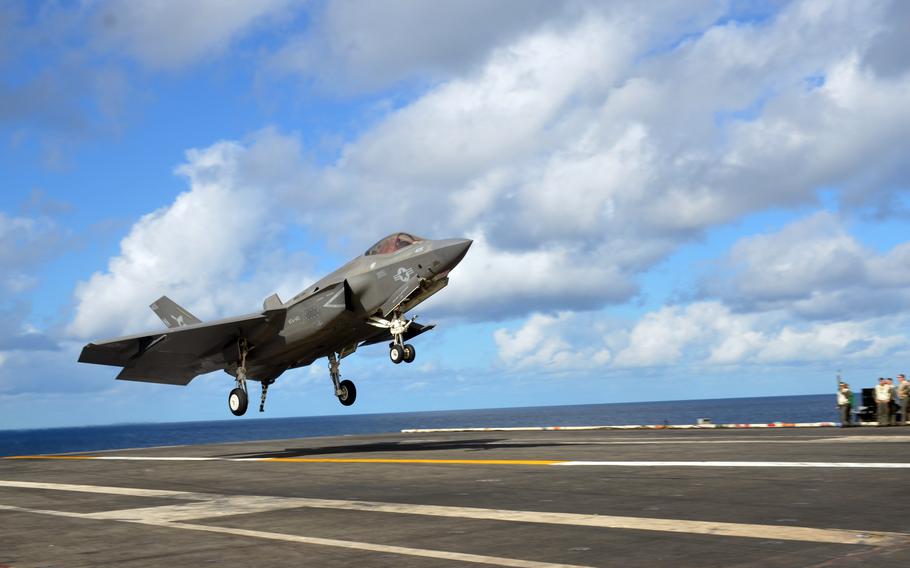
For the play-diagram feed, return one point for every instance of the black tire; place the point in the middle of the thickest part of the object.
(409, 353)
(348, 392)
(238, 401)
(396, 354)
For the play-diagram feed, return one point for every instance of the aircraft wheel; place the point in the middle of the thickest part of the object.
(238, 401)
(409, 353)
(348, 392)
(396, 354)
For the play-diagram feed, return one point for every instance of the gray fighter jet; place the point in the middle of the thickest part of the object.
(361, 303)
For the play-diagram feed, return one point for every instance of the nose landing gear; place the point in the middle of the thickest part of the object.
(402, 353)
(409, 353)
(398, 350)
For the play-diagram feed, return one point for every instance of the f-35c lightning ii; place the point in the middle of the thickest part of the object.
(361, 303)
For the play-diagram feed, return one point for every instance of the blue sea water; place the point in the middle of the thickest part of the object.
(806, 408)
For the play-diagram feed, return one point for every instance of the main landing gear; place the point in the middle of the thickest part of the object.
(344, 389)
(398, 350)
(239, 399)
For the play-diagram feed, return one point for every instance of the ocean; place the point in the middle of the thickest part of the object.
(805, 408)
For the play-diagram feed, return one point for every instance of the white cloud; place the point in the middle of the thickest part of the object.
(372, 44)
(710, 333)
(171, 34)
(491, 283)
(362, 46)
(23, 372)
(25, 243)
(814, 268)
(212, 250)
(580, 143)
(698, 335)
(539, 344)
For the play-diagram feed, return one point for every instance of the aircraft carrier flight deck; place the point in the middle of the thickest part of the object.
(775, 497)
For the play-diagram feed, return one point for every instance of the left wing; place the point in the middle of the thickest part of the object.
(179, 354)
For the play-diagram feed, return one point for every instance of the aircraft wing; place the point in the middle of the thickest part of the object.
(175, 356)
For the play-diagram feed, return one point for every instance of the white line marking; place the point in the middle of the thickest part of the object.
(131, 491)
(630, 441)
(42, 512)
(354, 545)
(371, 547)
(220, 505)
(731, 426)
(720, 438)
(855, 465)
(866, 439)
(212, 506)
(637, 463)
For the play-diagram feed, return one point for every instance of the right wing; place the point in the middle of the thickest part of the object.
(177, 355)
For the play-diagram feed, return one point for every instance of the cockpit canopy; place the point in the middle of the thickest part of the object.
(392, 243)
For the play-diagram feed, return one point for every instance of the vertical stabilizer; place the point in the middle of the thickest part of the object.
(171, 314)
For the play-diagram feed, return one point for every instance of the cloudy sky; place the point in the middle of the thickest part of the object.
(668, 200)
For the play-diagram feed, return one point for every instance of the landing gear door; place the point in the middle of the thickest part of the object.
(400, 295)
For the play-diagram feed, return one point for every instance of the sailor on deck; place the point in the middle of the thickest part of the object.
(903, 396)
(883, 401)
(844, 404)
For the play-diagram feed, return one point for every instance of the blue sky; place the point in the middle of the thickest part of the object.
(677, 200)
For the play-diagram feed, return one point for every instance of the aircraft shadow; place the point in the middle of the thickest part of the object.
(380, 447)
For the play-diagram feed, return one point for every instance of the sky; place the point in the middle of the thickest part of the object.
(668, 200)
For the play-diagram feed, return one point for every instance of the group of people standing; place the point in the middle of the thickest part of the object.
(889, 399)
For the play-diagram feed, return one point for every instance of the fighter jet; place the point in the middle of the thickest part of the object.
(362, 303)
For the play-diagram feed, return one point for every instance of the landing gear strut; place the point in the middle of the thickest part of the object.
(265, 392)
(398, 350)
(344, 389)
(238, 400)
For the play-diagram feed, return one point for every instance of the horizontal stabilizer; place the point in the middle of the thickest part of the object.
(161, 375)
(171, 314)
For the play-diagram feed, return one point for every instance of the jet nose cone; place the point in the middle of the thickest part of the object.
(461, 247)
(453, 251)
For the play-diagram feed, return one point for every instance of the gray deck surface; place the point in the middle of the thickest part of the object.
(227, 512)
